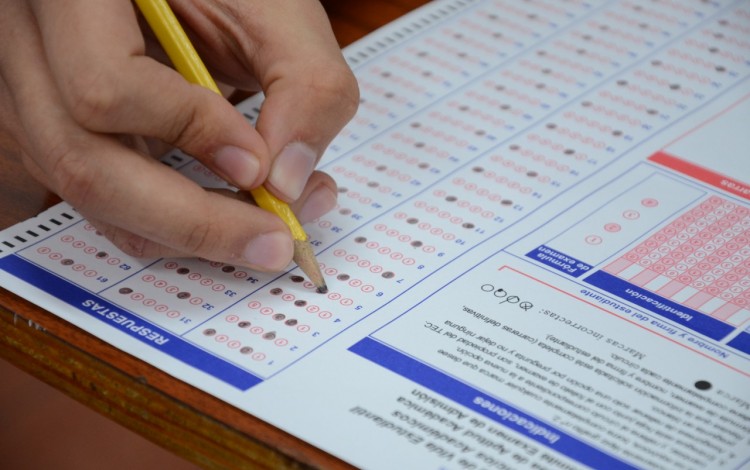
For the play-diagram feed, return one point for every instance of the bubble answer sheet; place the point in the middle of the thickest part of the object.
(540, 256)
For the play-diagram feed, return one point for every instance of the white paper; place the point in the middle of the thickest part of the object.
(540, 257)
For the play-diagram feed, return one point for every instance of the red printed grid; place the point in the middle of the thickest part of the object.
(700, 260)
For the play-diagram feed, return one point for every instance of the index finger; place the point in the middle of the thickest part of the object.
(108, 85)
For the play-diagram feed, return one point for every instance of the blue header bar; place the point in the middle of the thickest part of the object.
(128, 323)
(696, 321)
(741, 342)
(486, 405)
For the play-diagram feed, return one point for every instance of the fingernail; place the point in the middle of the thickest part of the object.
(271, 251)
(320, 202)
(238, 165)
(292, 168)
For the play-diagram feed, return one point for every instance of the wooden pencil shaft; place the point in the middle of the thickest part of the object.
(186, 60)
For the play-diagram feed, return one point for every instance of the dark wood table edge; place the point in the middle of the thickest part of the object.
(171, 413)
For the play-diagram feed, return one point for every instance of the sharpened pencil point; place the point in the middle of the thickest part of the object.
(305, 259)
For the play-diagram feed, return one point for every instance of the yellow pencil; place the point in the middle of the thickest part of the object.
(183, 55)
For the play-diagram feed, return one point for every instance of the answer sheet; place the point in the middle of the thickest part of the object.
(540, 256)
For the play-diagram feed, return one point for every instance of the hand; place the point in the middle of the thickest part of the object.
(81, 97)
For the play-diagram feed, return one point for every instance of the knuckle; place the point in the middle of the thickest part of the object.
(351, 94)
(73, 177)
(339, 84)
(129, 243)
(189, 130)
(199, 239)
(132, 244)
(92, 98)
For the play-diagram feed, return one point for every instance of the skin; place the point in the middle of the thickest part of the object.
(85, 93)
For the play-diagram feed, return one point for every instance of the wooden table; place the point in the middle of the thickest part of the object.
(187, 421)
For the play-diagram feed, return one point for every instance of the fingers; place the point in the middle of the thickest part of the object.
(80, 90)
(310, 95)
(163, 214)
(288, 46)
(146, 207)
(317, 199)
(310, 91)
(108, 85)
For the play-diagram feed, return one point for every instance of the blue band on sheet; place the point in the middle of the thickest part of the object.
(696, 321)
(559, 261)
(741, 342)
(128, 323)
(486, 405)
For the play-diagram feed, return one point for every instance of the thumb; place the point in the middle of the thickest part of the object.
(310, 91)
(301, 114)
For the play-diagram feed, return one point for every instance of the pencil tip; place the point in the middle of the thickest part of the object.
(305, 259)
